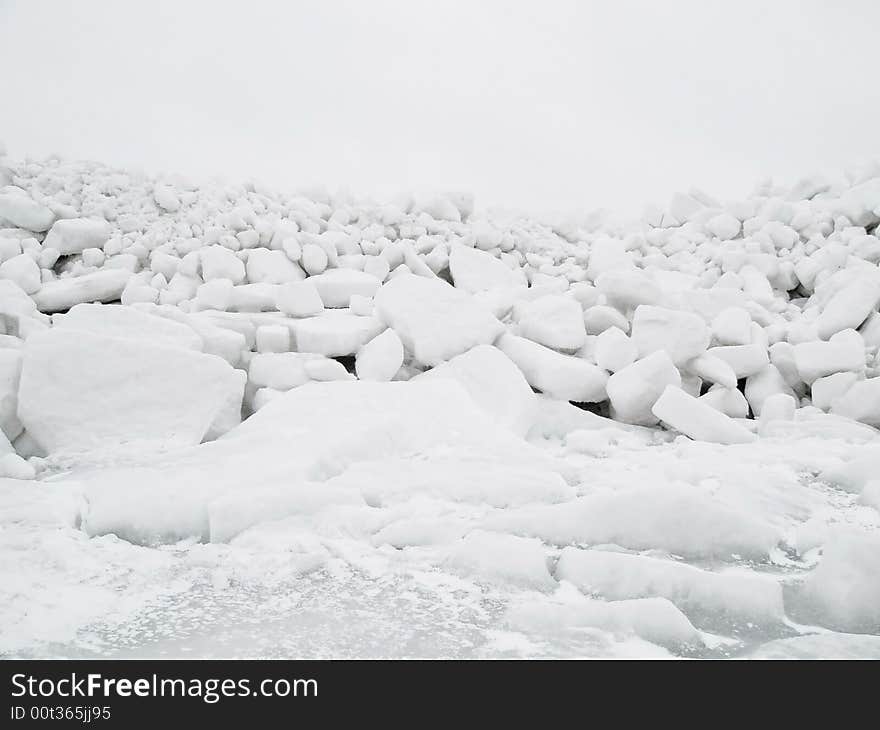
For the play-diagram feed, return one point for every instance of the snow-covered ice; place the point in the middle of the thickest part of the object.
(259, 424)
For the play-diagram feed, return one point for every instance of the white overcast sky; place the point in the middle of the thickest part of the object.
(548, 104)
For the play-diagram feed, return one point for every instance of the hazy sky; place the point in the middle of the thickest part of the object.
(542, 104)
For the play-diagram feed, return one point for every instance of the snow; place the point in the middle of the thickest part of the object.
(560, 376)
(380, 358)
(435, 321)
(396, 476)
(83, 391)
(696, 419)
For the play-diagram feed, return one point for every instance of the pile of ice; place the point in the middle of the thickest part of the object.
(147, 316)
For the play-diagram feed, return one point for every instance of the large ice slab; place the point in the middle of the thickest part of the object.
(84, 391)
(434, 320)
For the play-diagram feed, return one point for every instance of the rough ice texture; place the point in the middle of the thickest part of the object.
(417, 491)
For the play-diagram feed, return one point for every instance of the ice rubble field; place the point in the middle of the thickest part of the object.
(244, 423)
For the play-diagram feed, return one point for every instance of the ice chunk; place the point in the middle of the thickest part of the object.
(560, 376)
(762, 385)
(380, 358)
(24, 271)
(850, 306)
(729, 401)
(334, 334)
(554, 321)
(218, 262)
(714, 369)
(434, 320)
(628, 288)
(861, 402)
(698, 420)
(60, 295)
(81, 391)
(502, 560)
(744, 360)
(616, 576)
(22, 211)
(215, 294)
(778, 407)
(253, 297)
(75, 235)
(723, 226)
(825, 391)
(265, 266)
(273, 338)
(299, 299)
(614, 350)
(634, 389)
(166, 198)
(474, 271)
(314, 259)
(600, 317)
(12, 466)
(844, 352)
(115, 320)
(495, 383)
(278, 370)
(337, 286)
(326, 370)
(682, 334)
